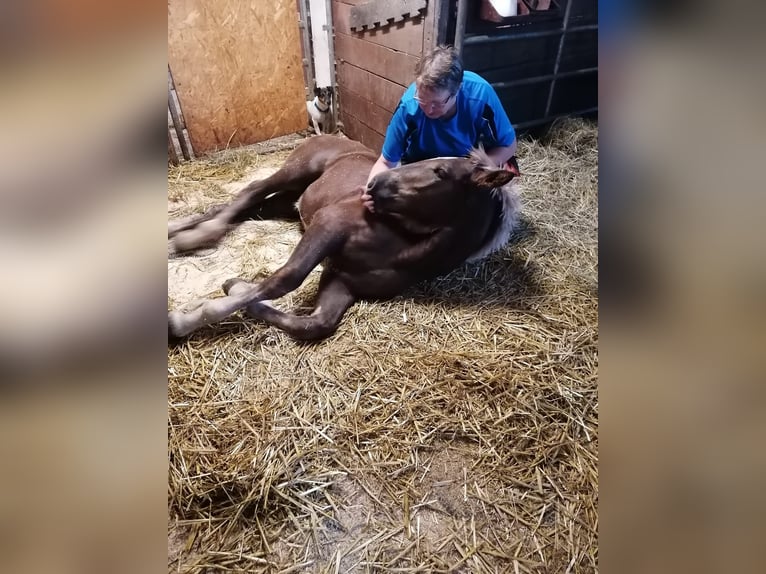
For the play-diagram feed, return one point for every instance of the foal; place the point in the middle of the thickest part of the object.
(429, 218)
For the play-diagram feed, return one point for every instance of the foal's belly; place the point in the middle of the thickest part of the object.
(341, 183)
(382, 283)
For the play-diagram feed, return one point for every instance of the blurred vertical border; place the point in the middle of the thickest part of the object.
(682, 283)
(83, 100)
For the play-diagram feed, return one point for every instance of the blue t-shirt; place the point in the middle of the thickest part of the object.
(479, 118)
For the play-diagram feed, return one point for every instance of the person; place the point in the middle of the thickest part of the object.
(445, 112)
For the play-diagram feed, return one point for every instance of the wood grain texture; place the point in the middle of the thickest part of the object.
(174, 150)
(237, 69)
(406, 36)
(384, 93)
(358, 131)
(379, 60)
(369, 113)
(381, 13)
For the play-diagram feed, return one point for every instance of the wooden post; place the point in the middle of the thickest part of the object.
(320, 39)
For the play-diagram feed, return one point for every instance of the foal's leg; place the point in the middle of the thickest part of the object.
(302, 167)
(282, 187)
(318, 241)
(178, 225)
(333, 301)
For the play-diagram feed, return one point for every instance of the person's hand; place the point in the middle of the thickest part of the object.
(367, 199)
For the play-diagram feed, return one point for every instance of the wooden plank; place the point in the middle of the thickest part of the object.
(308, 63)
(358, 106)
(380, 13)
(174, 150)
(434, 26)
(404, 36)
(176, 105)
(237, 70)
(379, 60)
(172, 153)
(384, 93)
(356, 130)
(184, 137)
(178, 123)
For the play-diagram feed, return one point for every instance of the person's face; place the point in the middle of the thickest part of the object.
(435, 103)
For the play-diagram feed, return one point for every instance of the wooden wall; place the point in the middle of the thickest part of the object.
(238, 70)
(374, 67)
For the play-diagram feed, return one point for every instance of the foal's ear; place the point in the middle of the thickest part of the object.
(485, 178)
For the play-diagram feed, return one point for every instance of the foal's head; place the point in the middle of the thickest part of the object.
(432, 193)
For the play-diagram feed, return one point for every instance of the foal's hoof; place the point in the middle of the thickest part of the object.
(232, 283)
(206, 234)
(175, 227)
(177, 326)
(173, 339)
(173, 336)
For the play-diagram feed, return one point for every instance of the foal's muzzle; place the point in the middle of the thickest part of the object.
(381, 190)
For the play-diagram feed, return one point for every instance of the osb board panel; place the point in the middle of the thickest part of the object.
(383, 92)
(358, 106)
(356, 130)
(381, 61)
(237, 69)
(406, 36)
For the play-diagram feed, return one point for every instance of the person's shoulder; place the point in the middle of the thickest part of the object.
(474, 81)
(476, 87)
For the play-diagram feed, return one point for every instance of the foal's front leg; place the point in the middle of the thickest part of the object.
(321, 239)
(333, 300)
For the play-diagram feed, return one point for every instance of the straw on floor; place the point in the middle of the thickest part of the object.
(452, 429)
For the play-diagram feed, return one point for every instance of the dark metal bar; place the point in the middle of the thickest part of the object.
(441, 16)
(546, 77)
(471, 40)
(563, 36)
(462, 15)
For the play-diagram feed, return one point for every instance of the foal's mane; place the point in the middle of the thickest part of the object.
(480, 158)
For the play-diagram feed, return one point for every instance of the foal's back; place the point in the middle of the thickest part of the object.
(344, 166)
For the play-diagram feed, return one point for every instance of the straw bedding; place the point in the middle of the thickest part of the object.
(452, 429)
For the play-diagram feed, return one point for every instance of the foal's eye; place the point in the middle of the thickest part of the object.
(440, 172)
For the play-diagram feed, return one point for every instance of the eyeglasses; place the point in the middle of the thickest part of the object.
(432, 104)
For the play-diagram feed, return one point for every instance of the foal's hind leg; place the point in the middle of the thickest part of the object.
(280, 189)
(333, 301)
(178, 225)
(266, 198)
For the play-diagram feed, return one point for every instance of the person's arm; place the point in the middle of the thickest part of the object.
(382, 164)
(393, 147)
(501, 154)
(504, 146)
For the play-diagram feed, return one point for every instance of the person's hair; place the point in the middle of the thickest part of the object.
(441, 69)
